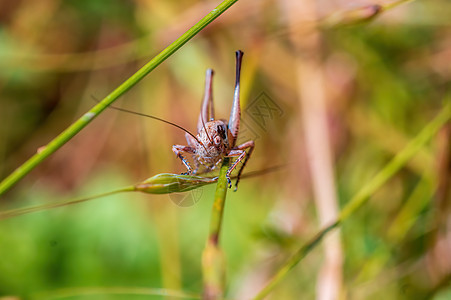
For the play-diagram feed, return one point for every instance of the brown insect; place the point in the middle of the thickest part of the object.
(216, 139)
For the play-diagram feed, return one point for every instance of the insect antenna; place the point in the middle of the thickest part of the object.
(206, 132)
(153, 117)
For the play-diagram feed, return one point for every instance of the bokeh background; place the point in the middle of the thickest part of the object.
(381, 82)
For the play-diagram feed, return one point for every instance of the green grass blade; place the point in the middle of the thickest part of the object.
(102, 292)
(364, 194)
(164, 183)
(84, 120)
(397, 162)
(26, 210)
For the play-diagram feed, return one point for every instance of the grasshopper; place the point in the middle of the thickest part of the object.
(216, 139)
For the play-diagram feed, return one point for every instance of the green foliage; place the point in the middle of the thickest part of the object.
(387, 80)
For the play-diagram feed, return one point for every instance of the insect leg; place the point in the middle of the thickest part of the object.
(241, 153)
(246, 145)
(235, 114)
(192, 142)
(178, 149)
(206, 111)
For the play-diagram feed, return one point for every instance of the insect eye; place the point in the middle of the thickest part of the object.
(221, 132)
(217, 140)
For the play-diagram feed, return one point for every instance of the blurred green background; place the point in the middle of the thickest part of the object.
(385, 80)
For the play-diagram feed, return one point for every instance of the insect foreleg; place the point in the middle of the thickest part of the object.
(241, 153)
(250, 145)
(178, 149)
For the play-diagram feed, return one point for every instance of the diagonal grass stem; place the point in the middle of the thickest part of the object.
(84, 120)
(364, 194)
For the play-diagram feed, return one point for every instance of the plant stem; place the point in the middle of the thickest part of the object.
(26, 210)
(218, 205)
(293, 261)
(364, 194)
(104, 292)
(84, 120)
(213, 265)
(158, 184)
(397, 162)
(395, 4)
